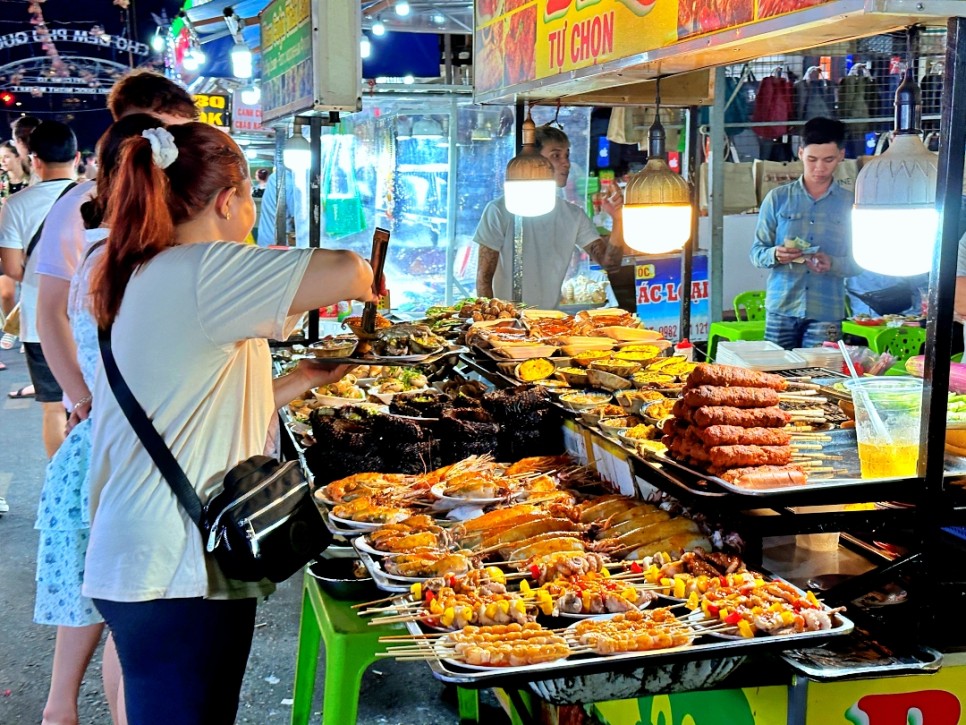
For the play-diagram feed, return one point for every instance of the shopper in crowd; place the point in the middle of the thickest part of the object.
(63, 516)
(21, 128)
(805, 292)
(548, 241)
(198, 363)
(296, 210)
(261, 181)
(16, 170)
(145, 91)
(15, 179)
(14, 176)
(54, 153)
(60, 251)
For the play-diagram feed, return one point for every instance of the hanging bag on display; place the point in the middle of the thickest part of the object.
(341, 203)
(771, 174)
(263, 524)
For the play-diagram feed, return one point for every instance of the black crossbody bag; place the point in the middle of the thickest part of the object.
(262, 525)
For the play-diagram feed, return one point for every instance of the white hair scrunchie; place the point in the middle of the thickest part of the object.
(163, 149)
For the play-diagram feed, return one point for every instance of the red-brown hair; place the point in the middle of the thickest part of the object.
(148, 202)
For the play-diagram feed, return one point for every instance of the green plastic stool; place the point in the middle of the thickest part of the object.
(350, 647)
(750, 310)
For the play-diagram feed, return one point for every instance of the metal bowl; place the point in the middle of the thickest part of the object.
(336, 577)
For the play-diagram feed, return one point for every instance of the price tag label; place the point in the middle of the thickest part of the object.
(613, 466)
(575, 441)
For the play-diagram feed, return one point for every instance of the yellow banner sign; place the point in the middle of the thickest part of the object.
(520, 41)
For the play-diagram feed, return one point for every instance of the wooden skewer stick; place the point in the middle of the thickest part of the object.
(365, 605)
(790, 398)
(794, 383)
(806, 445)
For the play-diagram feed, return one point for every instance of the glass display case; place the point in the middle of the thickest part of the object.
(425, 167)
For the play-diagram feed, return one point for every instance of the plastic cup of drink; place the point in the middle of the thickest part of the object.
(887, 425)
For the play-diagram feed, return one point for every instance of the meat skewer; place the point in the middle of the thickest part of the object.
(734, 397)
(740, 456)
(730, 435)
(765, 476)
(730, 376)
(771, 417)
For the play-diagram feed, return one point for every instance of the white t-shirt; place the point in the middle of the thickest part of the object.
(190, 342)
(64, 239)
(21, 216)
(548, 247)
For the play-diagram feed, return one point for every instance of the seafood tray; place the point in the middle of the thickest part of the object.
(552, 676)
(382, 580)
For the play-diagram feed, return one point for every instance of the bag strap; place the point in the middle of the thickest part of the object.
(36, 237)
(145, 430)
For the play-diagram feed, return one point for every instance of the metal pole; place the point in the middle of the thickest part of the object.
(448, 59)
(516, 269)
(716, 179)
(942, 287)
(315, 206)
(687, 256)
(451, 196)
(281, 208)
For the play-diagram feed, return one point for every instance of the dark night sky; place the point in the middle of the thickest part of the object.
(86, 114)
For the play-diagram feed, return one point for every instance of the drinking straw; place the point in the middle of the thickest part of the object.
(877, 424)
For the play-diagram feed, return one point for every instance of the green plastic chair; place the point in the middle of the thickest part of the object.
(902, 342)
(750, 306)
(350, 647)
(750, 311)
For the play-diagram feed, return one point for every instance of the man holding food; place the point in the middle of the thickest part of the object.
(804, 237)
(548, 240)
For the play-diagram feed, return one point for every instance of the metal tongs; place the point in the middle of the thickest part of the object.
(377, 259)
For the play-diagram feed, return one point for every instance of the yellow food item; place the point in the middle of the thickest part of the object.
(956, 438)
(585, 358)
(536, 368)
(645, 353)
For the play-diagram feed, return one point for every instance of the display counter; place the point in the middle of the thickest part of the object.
(876, 560)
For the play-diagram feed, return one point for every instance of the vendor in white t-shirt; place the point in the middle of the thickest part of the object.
(548, 240)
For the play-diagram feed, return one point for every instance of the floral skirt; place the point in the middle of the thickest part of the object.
(63, 519)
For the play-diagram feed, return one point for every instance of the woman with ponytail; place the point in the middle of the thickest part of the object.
(188, 308)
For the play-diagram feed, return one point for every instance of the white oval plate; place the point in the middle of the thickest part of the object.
(349, 523)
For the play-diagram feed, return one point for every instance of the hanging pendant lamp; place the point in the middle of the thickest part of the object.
(529, 187)
(894, 220)
(657, 202)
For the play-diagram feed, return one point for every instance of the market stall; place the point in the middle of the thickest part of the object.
(703, 469)
(399, 506)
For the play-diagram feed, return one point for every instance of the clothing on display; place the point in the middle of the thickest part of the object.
(815, 96)
(773, 103)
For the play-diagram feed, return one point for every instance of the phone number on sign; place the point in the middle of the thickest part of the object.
(670, 332)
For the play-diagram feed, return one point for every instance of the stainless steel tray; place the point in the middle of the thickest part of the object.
(705, 647)
(843, 444)
(860, 655)
(408, 360)
(379, 576)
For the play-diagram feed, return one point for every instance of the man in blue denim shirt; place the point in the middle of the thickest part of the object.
(805, 293)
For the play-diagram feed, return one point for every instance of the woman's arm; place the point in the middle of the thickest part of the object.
(333, 275)
(305, 376)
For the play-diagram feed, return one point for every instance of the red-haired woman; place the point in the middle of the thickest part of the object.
(190, 309)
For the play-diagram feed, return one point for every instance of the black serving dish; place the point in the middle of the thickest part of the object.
(337, 578)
